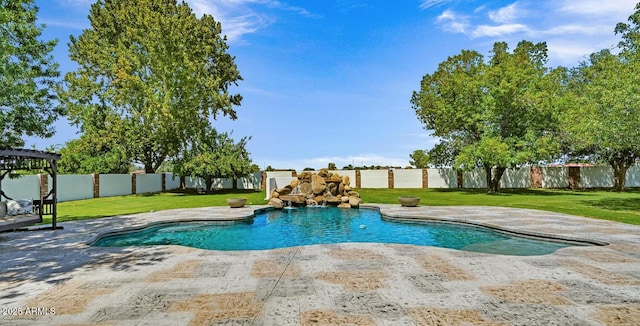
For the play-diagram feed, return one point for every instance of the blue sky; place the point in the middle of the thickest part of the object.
(330, 81)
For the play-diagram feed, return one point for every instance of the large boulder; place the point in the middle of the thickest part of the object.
(353, 194)
(305, 187)
(346, 181)
(354, 202)
(332, 188)
(276, 203)
(344, 205)
(284, 190)
(334, 201)
(294, 183)
(274, 194)
(305, 176)
(323, 173)
(318, 185)
(294, 199)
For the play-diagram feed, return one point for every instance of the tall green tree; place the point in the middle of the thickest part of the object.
(28, 75)
(215, 155)
(419, 159)
(603, 125)
(163, 72)
(496, 114)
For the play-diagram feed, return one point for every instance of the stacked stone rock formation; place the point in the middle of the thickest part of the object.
(323, 188)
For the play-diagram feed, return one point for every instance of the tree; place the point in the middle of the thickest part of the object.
(89, 154)
(215, 155)
(603, 125)
(419, 159)
(28, 75)
(156, 67)
(496, 114)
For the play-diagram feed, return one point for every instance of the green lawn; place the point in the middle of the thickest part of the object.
(622, 207)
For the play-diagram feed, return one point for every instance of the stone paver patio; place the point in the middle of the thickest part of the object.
(55, 278)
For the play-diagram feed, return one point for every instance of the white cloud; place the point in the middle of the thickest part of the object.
(431, 3)
(452, 22)
(597, 7)
(578, 28)
(506, 14)
(499, 30)
(241, 17)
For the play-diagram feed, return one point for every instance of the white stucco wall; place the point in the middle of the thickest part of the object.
(222, 183)
(555, 177)
(633, 176)
(194, 182)
(115, 185)
(147, 183)
(374, 179)
(407, 178)
(516, 178)
(442, 178)
(73, 186)
(171, 181)
(253, 181)
(596, 177)
(474, 179)
(25, 187)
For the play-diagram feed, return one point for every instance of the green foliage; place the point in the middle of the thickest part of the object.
(215, 155)
(28, 75)
(602, 124)
(419, 159)
(494, 114)
(87, 155)
(155, 70)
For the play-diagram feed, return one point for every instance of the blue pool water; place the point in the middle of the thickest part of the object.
(307, 226)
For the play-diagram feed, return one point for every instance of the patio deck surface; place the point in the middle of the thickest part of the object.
(56, 278)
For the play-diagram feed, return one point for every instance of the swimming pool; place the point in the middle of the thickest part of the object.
(273, 229)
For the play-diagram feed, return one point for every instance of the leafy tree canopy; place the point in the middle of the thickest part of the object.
(419, 159)
(603, 122)
(215, 155)
(494, 114)
(28, 75)
(156, 67)
(90, 154)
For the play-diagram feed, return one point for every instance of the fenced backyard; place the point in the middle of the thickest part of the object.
(85, 186)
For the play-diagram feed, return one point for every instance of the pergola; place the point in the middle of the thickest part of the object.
(16, 159)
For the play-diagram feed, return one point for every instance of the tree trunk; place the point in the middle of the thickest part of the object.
(488, 171)
(619, 176)
(208, 181)
(235, 183)
(494, 180)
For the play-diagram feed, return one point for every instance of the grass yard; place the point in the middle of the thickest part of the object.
(622, 207)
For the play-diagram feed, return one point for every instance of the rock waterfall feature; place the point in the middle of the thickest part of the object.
(313, 189)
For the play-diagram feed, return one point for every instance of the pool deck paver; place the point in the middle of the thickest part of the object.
(56, 278)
